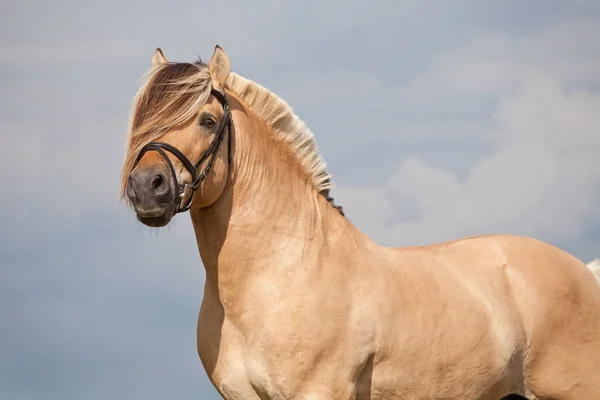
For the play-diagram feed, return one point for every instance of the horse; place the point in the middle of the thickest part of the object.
(298, 303)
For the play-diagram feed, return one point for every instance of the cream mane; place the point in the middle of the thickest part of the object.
(173, 93)
(281, 118)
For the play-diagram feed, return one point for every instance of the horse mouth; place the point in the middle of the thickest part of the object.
(155, 220)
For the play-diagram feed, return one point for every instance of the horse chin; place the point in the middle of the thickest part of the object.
(156, 221)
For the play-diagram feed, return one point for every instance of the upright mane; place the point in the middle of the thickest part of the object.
(172, 95)
(281, 118)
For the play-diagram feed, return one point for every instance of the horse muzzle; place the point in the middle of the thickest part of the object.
(152, 194)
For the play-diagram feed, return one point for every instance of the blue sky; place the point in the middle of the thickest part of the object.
(436, 120)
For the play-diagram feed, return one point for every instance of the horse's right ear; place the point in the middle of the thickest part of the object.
(158, 58)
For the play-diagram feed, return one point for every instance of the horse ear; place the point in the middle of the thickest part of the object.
(158, 58)
(219, 67)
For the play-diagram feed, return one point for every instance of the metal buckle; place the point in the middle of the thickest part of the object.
(187, 190)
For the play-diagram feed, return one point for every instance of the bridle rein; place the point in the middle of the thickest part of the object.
(186, 194)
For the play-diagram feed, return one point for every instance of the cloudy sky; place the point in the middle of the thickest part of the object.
(437, 121)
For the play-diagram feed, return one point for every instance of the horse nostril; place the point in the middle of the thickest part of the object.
(157, 182)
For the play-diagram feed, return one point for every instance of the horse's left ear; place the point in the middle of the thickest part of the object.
(219, 67)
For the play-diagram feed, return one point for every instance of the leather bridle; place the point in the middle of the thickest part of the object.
(182, 205)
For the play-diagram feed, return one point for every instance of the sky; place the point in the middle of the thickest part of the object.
(437, 121)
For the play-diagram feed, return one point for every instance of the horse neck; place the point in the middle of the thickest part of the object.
(268, 217)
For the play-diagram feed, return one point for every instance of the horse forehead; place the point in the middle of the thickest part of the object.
(214, 105)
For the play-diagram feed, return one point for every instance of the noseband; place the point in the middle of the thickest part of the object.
(211, 152)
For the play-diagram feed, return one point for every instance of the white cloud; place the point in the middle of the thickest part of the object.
(542, 177)
(487, 64)
(496, 64)
(542, 180)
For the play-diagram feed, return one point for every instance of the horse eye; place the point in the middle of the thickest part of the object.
(208, 123)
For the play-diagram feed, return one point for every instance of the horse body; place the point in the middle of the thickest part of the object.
(299, 304)
(452, 320)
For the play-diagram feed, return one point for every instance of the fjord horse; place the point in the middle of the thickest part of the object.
(299, 304)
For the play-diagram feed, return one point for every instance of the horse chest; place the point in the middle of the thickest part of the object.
(268, 382)
(242, 379)
(277, 374)
(243, 372)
